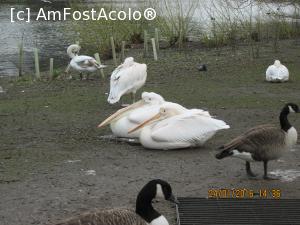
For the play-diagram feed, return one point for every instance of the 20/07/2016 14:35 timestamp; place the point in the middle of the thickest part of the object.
(243, 193)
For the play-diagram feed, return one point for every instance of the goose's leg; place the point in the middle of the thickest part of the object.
(81, 76)
(249, 171)
(266, 177)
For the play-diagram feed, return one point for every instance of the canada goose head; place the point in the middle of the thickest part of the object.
(159, 189)
(167, 110)
(154, 189)
(73, 50)
(277, 63)
(288, 108)
(148, 98)
(292, 108)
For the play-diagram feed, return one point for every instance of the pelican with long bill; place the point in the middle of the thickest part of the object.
(175, 127)
(129, 117)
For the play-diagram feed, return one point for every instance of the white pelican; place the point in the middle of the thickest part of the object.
(174, 128)
(82, 63)
(277, 72)
(127, 78)
(132, 115)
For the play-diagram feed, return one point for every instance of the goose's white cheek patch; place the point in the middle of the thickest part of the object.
(242, 155)
(159, 192)
(291, 109)
(160, 221)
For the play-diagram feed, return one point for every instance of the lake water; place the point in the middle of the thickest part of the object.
(52, 39)
(49, 37)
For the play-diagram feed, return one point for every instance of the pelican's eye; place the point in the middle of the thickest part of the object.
(149, 99)
(117, 78)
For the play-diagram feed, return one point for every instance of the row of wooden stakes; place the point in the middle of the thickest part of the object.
(154, 42)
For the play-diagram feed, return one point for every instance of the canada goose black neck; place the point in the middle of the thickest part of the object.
(144, 206)
(284, 122)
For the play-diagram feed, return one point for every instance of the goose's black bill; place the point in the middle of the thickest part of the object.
(224, 154)
(173, 199)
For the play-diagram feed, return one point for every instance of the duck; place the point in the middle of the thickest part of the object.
(127, 78)
(176, 127)
(202, 67)
(144, 213)
(82, 63)
(264, 142)
(277, 72)
(131, 116)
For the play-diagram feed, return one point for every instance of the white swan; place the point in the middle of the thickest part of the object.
(126, 78)
(132, 115)
(175, 127)
(277, 72)
(82, 63)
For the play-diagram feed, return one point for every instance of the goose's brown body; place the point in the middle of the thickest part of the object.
(119, 216)
(264, 142)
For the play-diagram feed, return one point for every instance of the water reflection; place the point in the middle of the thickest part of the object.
(49, 37)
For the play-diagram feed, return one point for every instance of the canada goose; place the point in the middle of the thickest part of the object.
(82, 63)
(277, 72)
(144, 213)
(263, 143)
(175, 127)
(125, 79)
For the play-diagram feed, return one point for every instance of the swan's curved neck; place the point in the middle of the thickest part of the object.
(71, 55)
(284, 122)
(144, 207)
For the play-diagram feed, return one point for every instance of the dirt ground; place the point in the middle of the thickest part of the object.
(53, 163)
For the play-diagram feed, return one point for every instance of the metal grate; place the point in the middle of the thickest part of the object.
(196, 211)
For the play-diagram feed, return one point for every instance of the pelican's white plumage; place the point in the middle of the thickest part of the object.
(277, 72)
(175, 127)
(126, 78)
(127, 118)
(82, 63)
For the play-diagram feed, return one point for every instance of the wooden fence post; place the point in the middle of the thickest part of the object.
(154, 49)
(146, 48)
(113, 48)
(21, 59)
(37, 63)
(97, 57)
(157, 38)
(51, 71)
(123, 51)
